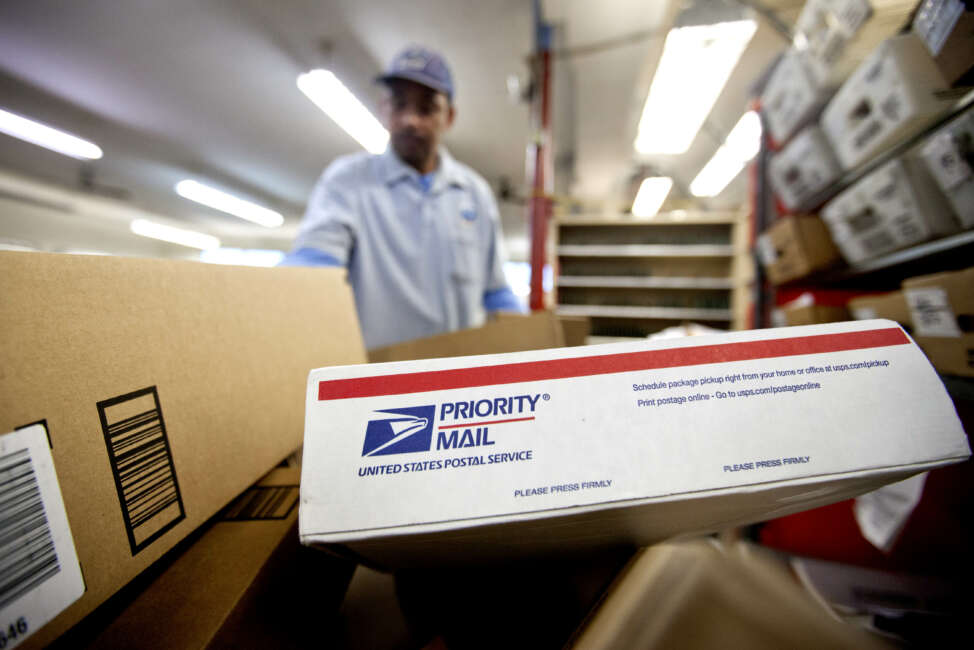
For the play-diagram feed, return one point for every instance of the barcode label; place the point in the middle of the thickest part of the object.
(142, 464)
(931, 312)
(263, 502)
(27, 556)
(39, 571)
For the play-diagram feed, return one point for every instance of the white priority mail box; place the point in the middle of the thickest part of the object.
(805, 167)
(895, 206)
(479, 458)
(793, 95)
(891, 95)
(949, 155)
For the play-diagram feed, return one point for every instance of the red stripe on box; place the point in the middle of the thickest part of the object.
(512, 373)
(478, 424)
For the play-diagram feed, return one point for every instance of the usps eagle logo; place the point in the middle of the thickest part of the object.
(409, 430)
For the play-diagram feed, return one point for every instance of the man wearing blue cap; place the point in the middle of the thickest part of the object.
(418, 231)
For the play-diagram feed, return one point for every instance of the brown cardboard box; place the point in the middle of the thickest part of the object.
(701, 595)
(206, 364)
(942, 310)
(804, 314)
(957, 55)
(246, 582)
(576, 329)
(508, 333)
(951, 45)
(794, 247)
(890, 305)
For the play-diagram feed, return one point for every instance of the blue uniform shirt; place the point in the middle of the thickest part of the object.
(424, 254)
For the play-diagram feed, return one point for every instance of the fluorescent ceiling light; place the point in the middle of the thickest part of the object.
(693, 69)
(741, 145)
(218, 200)
(189, 238)
(652, 192)
(45, 136)
(242, 256)
(330, 95)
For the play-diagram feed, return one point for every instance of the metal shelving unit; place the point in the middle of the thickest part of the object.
(959, 243)
(853, 175)
(881, 273)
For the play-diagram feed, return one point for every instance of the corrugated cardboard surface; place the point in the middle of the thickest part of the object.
(957, 54)
(953, 355)
(890, 305)
(510, 333)
(242, 584)
(814, 314)
(700, 595)
(576, 329)
(221, 355)
(802, 245)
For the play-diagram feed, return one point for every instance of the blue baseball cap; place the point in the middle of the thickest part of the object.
(422, 65)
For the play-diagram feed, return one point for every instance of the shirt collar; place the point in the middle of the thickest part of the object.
(448, 174)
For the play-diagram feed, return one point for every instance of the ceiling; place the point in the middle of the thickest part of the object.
(181, 88)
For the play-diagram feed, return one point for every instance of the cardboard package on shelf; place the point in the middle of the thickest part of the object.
(942, 311)
(891, 306)
(890, 96)
(949, 156)
(896, 206)
(947, 29)
(794, 95)
(839, 34)
(796, 246)
(800, 313)
(805, 167)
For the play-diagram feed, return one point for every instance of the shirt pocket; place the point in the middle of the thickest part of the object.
(466, 256)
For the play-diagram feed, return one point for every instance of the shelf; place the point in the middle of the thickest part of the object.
(654, 313)
(644, 282)
(912, 254)
(648, 250)
(853, 175)
(685, 218)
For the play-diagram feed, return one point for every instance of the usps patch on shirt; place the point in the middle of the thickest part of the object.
(467, 210)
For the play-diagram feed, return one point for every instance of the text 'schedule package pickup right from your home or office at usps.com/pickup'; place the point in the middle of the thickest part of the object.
(472, 458)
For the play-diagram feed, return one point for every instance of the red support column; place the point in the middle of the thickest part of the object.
(540, 204)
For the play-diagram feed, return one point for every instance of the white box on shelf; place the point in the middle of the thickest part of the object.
(889, 97)
(949, 155)
(860, 249)
(803, 168)
(793, 96)
(893, 207)
(482, 458)
(838, 34)
(824, 27)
